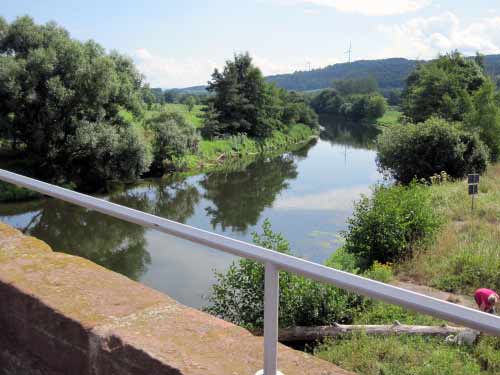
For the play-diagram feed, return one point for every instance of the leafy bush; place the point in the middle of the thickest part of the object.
(388, 226)
(425, 149)
(104, 152)
(13, 193)
(172, 138)
(239, 294)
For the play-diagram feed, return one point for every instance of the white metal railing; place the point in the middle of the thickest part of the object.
(274, 262)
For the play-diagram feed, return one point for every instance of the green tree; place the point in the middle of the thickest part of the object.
(173, 136)
(484, 118)
(242, 102)
(428, 148)
(442, 88)
(190, 102)
(53, 89)
(239, 198)
(355, 107)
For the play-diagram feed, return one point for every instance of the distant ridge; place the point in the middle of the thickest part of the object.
(390, 74)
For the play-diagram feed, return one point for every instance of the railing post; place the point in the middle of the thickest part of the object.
(271, 306)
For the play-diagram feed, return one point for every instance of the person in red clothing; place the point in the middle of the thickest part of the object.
(486, 300)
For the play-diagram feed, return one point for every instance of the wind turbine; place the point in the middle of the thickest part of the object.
(349, 51)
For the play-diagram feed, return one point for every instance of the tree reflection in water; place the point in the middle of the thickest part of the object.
(112, 243)
(349, 134)
(240, 197)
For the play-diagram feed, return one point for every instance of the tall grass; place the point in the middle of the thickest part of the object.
(466, 255)
(407, 355)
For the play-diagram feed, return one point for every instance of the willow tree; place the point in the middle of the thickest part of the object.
(63, 100)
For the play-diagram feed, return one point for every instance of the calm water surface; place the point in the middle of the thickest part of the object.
(307, 195)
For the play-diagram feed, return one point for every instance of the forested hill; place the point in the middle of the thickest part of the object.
(389, 73)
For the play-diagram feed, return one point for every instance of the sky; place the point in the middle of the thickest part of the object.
(179, 43)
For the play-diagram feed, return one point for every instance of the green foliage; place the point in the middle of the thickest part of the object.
(347, 87)
(388, 73)
(100, 152)
(391, 117)
(343, 260)
(484, 118)
(465, 255)
(238, 295)
(470, 268)
(190, 102)
(172, 138)
(488, 354)
(425, 149)
(394, 97)
(443, 88)
(12, 193)
(53, 87)
(380, 272)
(404, 355)
(378, 312)
(355, 107)
(388, 226)
(244, 103)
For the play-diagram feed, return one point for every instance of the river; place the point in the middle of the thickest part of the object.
(307, 195)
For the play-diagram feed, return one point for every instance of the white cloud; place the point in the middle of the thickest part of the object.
(427, 37)
(167, 72)
(173, 72)
(337, 199)
(368, 7)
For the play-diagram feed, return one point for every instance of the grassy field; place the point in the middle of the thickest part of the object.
(390, 117)
(466, 254)
(194, 116)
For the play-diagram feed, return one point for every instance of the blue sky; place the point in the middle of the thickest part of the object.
(179, 43)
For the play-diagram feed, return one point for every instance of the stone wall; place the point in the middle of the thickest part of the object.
(64, 315)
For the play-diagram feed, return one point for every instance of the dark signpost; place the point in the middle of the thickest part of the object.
(473, 180)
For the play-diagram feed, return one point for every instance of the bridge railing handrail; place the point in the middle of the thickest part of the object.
(274, 262)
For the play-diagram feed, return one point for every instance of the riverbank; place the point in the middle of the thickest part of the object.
(239, 150)
(463, 256)
(466, 254)
(229, 153)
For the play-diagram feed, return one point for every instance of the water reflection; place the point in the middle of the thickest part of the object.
(112, 243)
(307, 194)
(346, 133)
(238, 198)
(172, 197)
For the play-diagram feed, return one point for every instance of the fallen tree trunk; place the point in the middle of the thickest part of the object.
(322, 332)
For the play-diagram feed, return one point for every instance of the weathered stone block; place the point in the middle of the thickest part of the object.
(61, 314)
